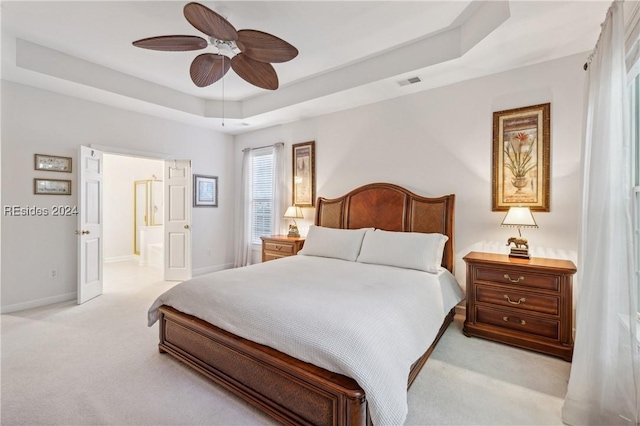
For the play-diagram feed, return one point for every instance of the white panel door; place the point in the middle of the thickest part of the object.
(89, 230)
(177, 226)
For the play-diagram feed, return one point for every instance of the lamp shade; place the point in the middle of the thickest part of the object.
(519, 217)
(294, 212)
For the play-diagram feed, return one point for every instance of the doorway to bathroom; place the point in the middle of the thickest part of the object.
(133, 209)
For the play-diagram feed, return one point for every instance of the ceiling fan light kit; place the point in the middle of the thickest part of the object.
(249, 52)
(226, 48)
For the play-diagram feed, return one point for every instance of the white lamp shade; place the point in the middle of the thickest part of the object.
(294, 212)
(520, 217)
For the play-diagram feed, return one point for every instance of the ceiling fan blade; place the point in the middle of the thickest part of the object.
(208, 68)
(173, 43)
(259, 74)
(265, 47)
(209, 22)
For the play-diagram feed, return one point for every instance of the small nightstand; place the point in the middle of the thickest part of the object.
(277, 246)
(521, 302)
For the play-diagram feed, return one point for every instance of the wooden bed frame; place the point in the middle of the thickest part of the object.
(292, 391)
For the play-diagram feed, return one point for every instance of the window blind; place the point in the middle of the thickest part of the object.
(262, 189)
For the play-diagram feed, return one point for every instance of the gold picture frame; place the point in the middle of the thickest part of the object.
(52, 163)
(521, 158)
(51, 186)
(304, 174)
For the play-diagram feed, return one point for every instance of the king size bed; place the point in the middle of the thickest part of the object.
(359, 308)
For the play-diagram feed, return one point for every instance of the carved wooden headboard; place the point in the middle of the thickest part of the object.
(391, 208)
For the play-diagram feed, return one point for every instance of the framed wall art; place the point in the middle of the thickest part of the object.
(52, 163)
(304, 174)
(51, 186)
(521, 158)
(205, 191)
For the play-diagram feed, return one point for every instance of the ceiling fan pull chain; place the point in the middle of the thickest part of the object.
(223, 101)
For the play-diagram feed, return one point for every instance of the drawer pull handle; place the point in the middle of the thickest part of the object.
(522, 299)
(522, 322)
(278, 247)
(513, 281)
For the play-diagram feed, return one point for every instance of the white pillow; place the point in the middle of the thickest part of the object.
(412, 250)
(332, 242)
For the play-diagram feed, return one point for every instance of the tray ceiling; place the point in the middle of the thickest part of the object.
(351, 53)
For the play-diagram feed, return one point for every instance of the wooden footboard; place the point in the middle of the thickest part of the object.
(290, 390)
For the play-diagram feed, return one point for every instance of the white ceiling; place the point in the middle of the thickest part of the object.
(351, 53)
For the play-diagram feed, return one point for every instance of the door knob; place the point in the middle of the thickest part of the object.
(186, 227)
(86, 232)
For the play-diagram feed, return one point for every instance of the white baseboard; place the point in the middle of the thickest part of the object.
(37, 303)
(461, 310)
(119, 258)
(209, 269)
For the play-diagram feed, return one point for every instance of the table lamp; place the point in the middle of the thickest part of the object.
(293, 212)
(519, 217)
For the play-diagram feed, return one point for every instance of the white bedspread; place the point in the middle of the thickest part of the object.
(367, 322)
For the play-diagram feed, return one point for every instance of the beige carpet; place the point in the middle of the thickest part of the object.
(97, 364)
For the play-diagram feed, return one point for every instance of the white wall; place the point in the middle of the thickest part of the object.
(38, 121)
(120, 173)
(434, 142)
(439, 142)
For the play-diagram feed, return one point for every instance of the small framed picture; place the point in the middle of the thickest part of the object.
(51, 186)
(205, 191)
(52, 163)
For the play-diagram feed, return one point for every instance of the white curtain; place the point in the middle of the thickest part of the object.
(279, 187)
(603, 387)
(245, 213)
(632, 43)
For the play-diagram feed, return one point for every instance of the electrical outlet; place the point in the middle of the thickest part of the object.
(53, 273)
(208, 252)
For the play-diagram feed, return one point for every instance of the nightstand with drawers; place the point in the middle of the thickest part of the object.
(521, 302)
(277, 246)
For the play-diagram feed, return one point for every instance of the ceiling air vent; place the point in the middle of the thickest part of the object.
(412, 80)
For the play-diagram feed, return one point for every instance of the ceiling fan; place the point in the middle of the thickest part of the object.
(249, 52)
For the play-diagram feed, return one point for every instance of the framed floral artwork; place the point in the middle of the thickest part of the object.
(304, 174)
(521, 158)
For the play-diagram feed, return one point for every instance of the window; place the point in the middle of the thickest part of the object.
(262, 189)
